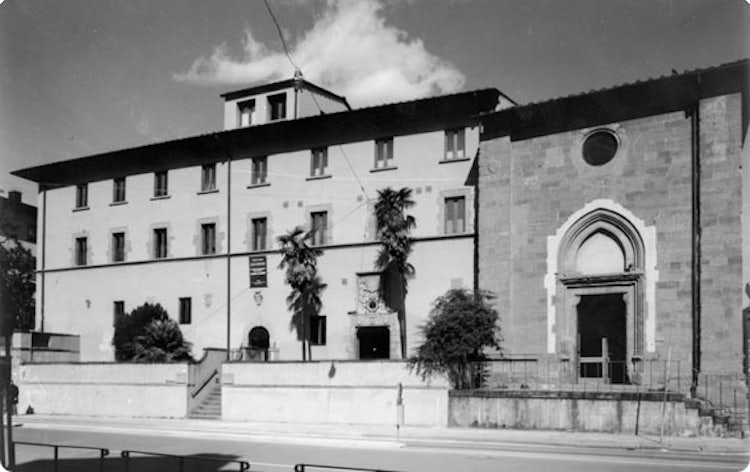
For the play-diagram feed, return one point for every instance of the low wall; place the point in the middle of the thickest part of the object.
(328, 392)
(573, 411)
(104, 389)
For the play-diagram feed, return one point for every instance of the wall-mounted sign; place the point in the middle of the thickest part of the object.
(258, 271)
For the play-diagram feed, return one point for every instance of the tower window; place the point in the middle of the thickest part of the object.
(277, 107)
(246, 111)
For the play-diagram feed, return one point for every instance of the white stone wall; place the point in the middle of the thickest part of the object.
(332, 393)
(116, 390)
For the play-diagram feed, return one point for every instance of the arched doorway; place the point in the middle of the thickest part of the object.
(601, 272)
(258, 342)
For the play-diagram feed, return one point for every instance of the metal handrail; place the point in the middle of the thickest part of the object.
(103, 451)
(209, 379)
(243, 465)
(301, 468)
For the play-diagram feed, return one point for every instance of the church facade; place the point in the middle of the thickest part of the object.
(611, 228)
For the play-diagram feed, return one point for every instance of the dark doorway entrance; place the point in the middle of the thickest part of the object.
(601, 337)
(257, 343)
(374, 342)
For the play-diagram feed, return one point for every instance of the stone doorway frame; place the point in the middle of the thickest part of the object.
(627, 284)
(571, 284)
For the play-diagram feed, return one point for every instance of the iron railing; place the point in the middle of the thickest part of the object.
(180, 461)
(103, 452)
(303, 467)
(555, 374)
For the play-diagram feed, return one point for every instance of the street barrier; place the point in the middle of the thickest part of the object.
(302, 468)
(243, 465)
(103, 452)
(127, 455)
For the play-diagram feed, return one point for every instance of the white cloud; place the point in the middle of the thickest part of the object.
(350, 50)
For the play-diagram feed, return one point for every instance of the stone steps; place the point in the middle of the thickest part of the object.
(210, 407)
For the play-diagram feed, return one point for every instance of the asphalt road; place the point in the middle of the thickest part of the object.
(275, 455)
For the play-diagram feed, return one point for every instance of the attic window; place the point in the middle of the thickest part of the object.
(277, 107)
(246, 111)
(599, 147)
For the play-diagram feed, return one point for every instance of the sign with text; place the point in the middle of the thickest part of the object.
(258, 271)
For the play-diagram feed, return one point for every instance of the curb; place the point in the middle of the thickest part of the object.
(340, 436)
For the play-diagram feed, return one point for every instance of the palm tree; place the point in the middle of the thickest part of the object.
(393, 231)
(305, 303)
(300, 261)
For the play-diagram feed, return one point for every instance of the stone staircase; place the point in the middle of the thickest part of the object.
(210, 407)
(720, 422)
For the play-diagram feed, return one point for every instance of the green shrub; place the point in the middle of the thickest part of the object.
(135, 328)
(461, 325)
(161, 341)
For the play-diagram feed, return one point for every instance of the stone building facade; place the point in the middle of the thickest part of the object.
(618, 214)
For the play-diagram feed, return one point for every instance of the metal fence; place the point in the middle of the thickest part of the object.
(725, 395)
(306, 467)
(557, 374)
(127, 460)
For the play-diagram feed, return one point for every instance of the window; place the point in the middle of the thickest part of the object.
(259, 170)
(81, 249)
(246, 110)
(186, 310)
(318, 162)
(383, 153)
(208, 238)
(455, 144)
(260, 228)
(118, 190)
(118, 247)
(455, 215)
(600, 147)
(319, 225)
(118, 312)
(160, 243)
(208, 177)
(277, 107)
(82, 195)
(317, 330)
(161, 188)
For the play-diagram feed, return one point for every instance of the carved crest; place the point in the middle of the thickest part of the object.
(369, 300)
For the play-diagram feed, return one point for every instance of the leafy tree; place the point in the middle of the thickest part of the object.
(17, 284)
(161, 341)
(461, 325)
(393, 231)
(300, 261)
(129, 327)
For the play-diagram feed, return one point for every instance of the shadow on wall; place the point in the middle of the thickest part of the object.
(85, 461)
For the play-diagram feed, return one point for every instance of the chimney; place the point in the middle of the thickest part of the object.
(14, 196)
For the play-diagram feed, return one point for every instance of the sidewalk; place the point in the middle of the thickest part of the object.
(381, 436)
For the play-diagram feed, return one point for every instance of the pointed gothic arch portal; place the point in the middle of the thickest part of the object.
(601, 269)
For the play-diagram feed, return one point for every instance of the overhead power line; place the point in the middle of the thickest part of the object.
(298, 74)
(281, 36)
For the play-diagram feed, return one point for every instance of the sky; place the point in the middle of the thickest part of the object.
(80, 77)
